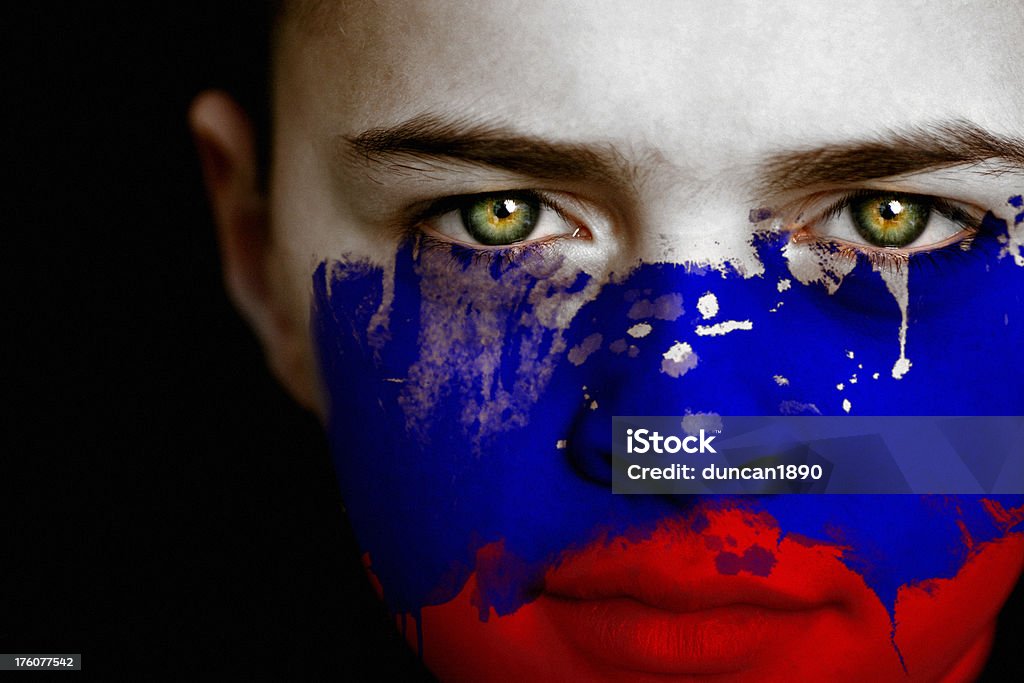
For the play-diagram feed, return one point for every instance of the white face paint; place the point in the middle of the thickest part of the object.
(689, 143)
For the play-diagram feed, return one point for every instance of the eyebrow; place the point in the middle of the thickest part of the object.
(895, 153)
(429, 137)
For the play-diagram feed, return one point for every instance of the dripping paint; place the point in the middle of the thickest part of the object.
(469, 463)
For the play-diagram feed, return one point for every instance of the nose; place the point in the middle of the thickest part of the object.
(673, 341)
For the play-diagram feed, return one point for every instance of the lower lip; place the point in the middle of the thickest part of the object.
(627, 634)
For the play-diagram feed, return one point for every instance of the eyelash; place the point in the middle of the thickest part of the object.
(892, 258)
(465, 254)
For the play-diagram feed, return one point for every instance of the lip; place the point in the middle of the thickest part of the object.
(639, 610)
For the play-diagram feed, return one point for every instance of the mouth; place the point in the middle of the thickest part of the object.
(646, 609)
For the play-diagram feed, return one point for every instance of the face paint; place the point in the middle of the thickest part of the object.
(471, 403)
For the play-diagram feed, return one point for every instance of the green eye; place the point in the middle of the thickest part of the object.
(501, 219)
(890, 220)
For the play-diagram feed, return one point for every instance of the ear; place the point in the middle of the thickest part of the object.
(226, 143)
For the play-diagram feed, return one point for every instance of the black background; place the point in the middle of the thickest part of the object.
(173, 511)
(170, 510)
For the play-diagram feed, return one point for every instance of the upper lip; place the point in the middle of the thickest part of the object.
(687, 590)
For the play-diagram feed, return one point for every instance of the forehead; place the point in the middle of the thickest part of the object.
(701, 79)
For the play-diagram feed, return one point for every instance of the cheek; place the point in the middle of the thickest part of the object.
(926, 610)
(470, 410)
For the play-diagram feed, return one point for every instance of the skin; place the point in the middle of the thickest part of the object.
(914, 583)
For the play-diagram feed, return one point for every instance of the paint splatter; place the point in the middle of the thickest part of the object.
(755, 560)
(639, 330)
(1013, 239)
(818, 263)
(723, 328)
(666, 307)
(900, 367)
(708, 305)
(791, 407)
(578, 354)
(678, 360)
(693, 423)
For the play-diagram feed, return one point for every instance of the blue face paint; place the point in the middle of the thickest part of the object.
(471, 401)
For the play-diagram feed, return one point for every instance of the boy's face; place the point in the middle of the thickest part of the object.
(507, 222)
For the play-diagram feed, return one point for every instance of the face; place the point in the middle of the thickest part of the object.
(507, 224)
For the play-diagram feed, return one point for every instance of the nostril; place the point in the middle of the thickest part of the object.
(589, 454)
(588, 448)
